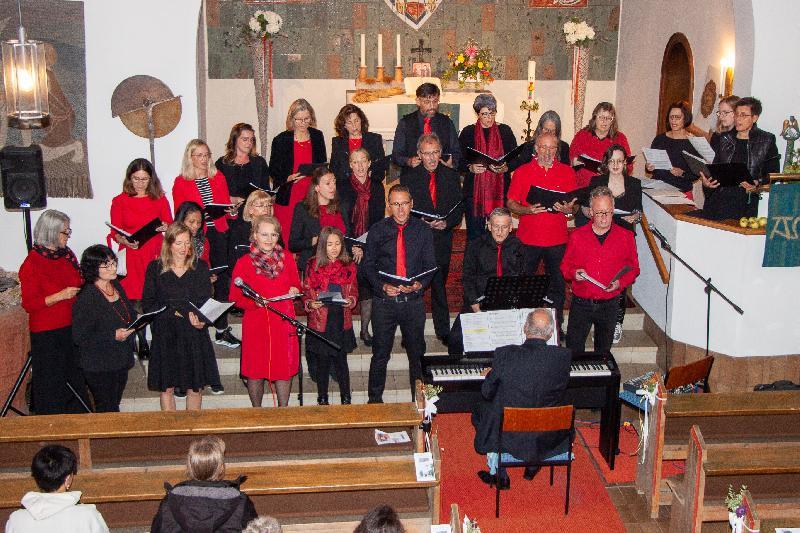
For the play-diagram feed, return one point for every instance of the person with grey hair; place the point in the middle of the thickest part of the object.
(436, 189)
(263, 524)
(606, 253)
(426, 119)
(50, 278)
(533, 374)
(549, 122)
(485, 187)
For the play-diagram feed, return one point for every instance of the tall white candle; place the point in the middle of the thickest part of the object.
(380, 49)
(531, 71)
(363, 49)
(399, 64)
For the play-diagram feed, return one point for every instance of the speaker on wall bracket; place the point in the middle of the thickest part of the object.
(22, 170)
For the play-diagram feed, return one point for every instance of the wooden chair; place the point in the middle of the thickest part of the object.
(537, 420)
(688, 374)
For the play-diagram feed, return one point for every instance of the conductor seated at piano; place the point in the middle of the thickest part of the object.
(601, 262)
(497, 253)
(530, 375)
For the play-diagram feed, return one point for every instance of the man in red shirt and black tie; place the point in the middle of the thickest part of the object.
(399, 245)
(599, 251)
(543, 229)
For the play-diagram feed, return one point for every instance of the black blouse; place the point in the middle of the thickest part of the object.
(95, 321)
(675, 148)
(630, 200)
(467, 140)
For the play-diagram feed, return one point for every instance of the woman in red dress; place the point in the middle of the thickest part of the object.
(270, 348)
(142, 199)
(595, 139)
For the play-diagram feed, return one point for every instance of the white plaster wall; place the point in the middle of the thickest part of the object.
(645, 28)
(231, 101)
(122, 39)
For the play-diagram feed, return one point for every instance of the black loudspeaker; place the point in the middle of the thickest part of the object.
(23, 177)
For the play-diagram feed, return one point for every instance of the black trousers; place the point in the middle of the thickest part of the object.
(218, 255)
(583, 314)
(623, 306)
(552, 257)
(340, 366)
(107, 389)
(439, 309)
(386, 316)
(55, 362)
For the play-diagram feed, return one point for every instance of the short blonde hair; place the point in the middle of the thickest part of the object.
(173, 231)
(263, 219)
(251, 199)
(187, 169)
(206, 459)
(301, 104)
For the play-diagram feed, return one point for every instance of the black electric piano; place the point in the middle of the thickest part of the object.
(594, 381)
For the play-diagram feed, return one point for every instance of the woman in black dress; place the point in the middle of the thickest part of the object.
(675, 140)
(243, 168)
(181, 351)
(100, 318)
(484, 187)
(365, 195)
(352, 133)
(627, 192)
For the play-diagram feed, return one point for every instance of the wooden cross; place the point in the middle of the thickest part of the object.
(421, 50)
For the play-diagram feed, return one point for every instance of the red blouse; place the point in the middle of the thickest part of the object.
(302, 151)
(354, 144)
(334, 220)
(40, 277)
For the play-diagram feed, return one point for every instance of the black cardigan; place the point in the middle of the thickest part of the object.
(467, 140)
(94, 325)
(305, 227)
(281, 157)
(340, 156)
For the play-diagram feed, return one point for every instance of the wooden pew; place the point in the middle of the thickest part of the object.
(107, 439)
(743, 417)
(753, 520)
(771, 471)
(324, 490)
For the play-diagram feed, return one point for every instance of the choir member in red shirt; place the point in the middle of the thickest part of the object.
(594, 140)
(543, 229)
(270, 350)
(142, 199)
(50, 279)
(598, 250)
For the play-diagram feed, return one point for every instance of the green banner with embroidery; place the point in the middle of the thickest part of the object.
(782, 247)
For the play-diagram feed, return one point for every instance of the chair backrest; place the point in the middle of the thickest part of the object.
(519, 419)
(691, 373)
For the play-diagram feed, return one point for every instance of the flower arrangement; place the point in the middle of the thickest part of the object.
(264, 24)
(733, 501)
(578, 33)
(431, 391)
(471, 63)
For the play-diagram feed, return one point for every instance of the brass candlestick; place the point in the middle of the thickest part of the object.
(528, 105)
(380, 74)
(362, 73)
(398, 74)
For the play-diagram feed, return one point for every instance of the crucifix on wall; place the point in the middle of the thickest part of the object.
(420, 68)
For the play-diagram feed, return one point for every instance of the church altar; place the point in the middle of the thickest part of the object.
(383, 113)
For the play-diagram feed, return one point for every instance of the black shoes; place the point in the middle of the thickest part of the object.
(143, 352)
(322, 400)
(491, 480)
(226, 338)
(444, 339)
(346, 399)
(366, 338)
(530, 472)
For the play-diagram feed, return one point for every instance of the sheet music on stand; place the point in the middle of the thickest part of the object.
(488, 330)
(508, 292)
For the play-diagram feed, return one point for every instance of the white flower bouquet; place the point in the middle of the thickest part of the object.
(265, 24)
(578, 33)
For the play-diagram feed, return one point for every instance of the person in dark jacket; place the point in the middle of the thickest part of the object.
(100, 318)
(753, 147)
(243, 168)
(530, 375)
(352, 133)
(549, 122)
(205, 502)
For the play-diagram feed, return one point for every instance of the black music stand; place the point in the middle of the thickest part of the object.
(515, 292)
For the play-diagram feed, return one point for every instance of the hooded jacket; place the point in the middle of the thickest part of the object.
(45, 512)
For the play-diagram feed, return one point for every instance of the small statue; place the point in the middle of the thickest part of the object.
(791, 132)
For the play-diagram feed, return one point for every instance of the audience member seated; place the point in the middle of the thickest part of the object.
(100, 318)
(382, 519)
(263, 524)
(56, 508)
(206, 501)
(751, 146)
(484, 187)
(593, 140)
(497, 253)
(352, 133)
(533, 374)
(50, 278)
(675, 141)
(300, 144)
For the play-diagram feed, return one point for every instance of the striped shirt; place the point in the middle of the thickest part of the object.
(205, 193)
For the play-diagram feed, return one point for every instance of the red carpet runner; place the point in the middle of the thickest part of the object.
(530, 506)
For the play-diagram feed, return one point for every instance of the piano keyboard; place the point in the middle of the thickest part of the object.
(467, 372)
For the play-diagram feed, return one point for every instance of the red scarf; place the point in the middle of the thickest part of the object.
(487, 186)
(334, 272)
(334, 220)
(270, 264)
(361, 208)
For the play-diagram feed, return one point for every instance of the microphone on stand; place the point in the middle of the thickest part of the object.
(658, 234)
(248, 291)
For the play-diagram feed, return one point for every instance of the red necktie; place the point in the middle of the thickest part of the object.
(432, 187)
(499, 261)
(401, 252)
(426, 126)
